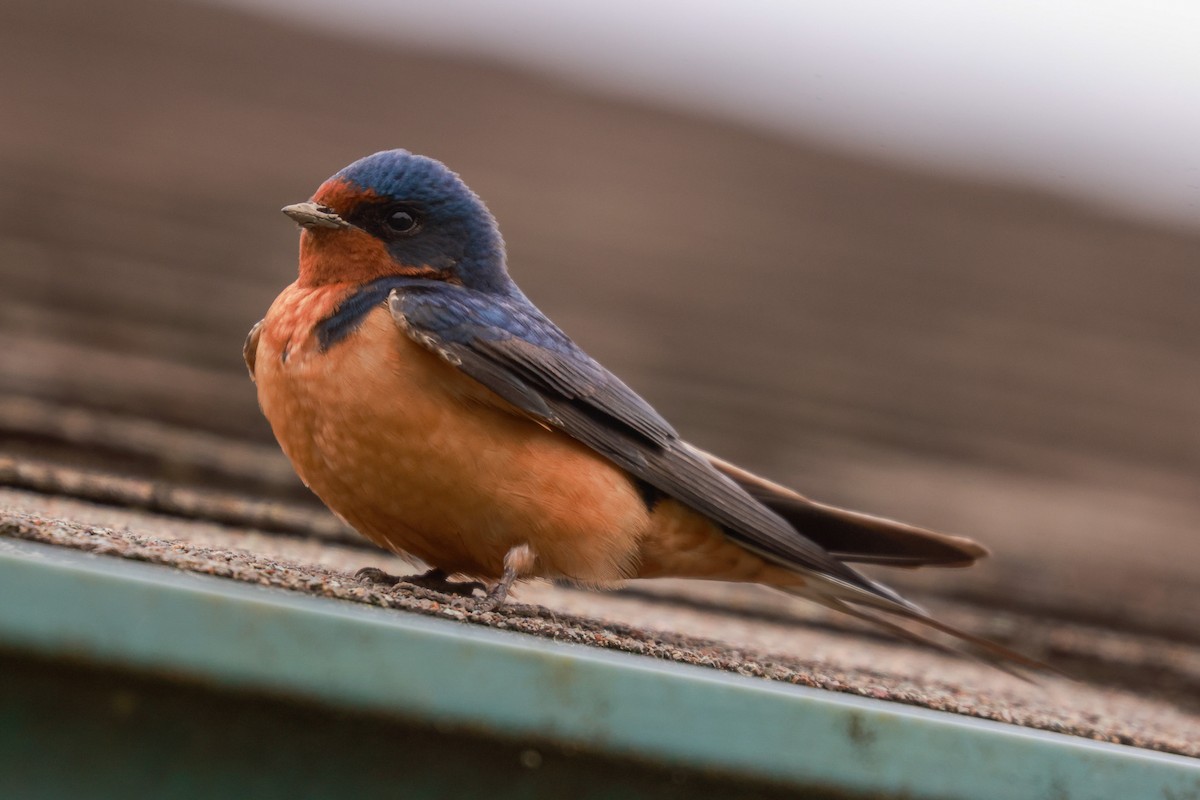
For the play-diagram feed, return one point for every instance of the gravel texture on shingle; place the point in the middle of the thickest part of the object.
(1093, 713)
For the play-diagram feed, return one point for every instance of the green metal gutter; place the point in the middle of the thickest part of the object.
(63, 604)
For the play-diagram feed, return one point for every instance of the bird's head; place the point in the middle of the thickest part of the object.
(396, 213)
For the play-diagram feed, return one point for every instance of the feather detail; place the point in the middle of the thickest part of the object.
(853, 536)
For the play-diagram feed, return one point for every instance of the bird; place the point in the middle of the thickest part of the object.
(431, 406)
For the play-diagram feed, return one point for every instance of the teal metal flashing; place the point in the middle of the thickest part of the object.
(56, 603)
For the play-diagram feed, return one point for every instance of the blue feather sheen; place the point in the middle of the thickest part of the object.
(457, 315)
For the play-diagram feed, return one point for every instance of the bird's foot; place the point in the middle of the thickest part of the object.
(434, 579)
(495, 598)
(518, 562)
(376, 575)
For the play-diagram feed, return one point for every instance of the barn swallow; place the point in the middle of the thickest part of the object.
(435, 409)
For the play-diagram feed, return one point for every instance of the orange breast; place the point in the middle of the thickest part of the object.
(423, 460)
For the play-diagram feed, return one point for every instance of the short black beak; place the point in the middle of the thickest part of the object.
(311, 215)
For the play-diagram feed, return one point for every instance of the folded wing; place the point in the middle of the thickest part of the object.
(508, 346)
(525, 359)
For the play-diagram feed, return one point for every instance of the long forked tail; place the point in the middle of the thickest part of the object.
(849, 600)
(851, 536)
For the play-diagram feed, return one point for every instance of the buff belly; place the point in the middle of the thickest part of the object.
(424, 461)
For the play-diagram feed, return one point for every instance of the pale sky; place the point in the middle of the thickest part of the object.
(1096, 99)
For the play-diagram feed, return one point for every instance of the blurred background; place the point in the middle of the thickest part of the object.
(928, 260)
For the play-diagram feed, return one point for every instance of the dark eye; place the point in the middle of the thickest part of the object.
(401, 220)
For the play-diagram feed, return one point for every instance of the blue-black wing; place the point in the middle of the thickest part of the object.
(511, 348)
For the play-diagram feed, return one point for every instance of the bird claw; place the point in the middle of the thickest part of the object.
(494, 599)
(516, 561)
(376, 575)
(434, 580)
